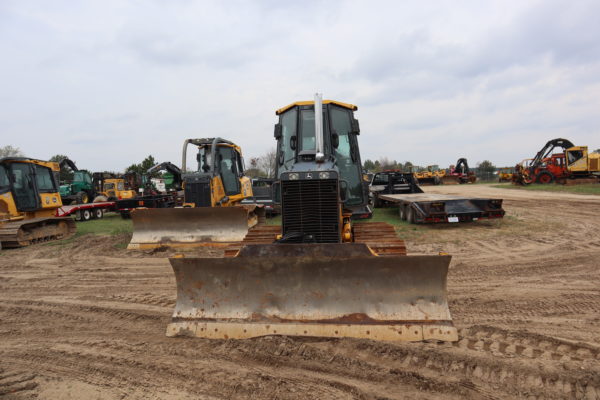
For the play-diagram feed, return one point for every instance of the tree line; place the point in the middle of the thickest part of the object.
(265, 165)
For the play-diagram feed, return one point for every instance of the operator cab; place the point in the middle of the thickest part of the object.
(306, 153)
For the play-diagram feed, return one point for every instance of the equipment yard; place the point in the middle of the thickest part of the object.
(85, 318)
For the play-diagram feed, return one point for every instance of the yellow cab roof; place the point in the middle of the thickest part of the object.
(310, 103)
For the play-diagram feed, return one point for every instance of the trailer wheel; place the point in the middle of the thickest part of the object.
(410, 215)
(98, 213)
(544, 177)
(84, 215)
(376, 202)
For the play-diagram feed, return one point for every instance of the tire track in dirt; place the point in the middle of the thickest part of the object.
(525, 293)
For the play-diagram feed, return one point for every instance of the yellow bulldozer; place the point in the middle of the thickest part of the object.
(430, 176)
(318, 273)
(212, 214)
(29, 197)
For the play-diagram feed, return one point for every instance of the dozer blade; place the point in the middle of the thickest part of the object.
(189, 227)
(324, 290)
(450, 180)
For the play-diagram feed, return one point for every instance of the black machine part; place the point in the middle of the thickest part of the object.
(169, 167)
(462, 166)
(69, 163)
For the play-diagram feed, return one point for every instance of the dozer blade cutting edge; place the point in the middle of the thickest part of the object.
(326, 290)
(189, 227)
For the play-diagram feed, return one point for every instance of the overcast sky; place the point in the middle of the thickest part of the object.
(109, 82)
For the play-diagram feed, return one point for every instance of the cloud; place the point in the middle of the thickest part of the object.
(117, 80)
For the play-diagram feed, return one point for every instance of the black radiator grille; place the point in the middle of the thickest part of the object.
(197, 191)
(311, 207)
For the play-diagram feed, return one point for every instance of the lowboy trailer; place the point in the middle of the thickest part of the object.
(86, 212)
(426, 208)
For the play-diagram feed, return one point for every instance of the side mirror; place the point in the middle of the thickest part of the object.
(293, 142)
(335, 140)
(355, 127)
(278, 130)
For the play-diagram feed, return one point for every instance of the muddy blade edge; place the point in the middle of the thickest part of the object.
(328, 292)
(187, 227)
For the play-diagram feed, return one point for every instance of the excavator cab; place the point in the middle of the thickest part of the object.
(318, 274)
(29, 197)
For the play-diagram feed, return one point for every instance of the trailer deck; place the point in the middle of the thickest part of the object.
(423, 208)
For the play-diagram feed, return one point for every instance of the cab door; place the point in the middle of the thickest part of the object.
(24, 189)
(228, 170)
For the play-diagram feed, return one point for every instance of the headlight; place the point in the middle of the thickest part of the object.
(323, 175)
(294, 176)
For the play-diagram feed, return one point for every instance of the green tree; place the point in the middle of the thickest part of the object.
(369, 165)
(142, 167)
(9, 151)
(408, 166)
(486, 170)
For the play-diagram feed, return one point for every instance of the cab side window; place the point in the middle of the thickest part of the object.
(4, 182)
(44, 179)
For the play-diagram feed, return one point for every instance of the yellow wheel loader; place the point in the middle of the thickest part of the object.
(318, 274)
(212, 214)
(29, 197)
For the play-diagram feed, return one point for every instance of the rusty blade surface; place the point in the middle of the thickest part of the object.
(153, 227)
(296, 286)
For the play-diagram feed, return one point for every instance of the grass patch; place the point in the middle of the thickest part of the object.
(592, 188)
(274, 221)
(111, 225)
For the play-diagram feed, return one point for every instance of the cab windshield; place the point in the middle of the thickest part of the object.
(573, 156)
(308, 140)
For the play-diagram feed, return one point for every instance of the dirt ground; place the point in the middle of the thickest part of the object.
(87, 321)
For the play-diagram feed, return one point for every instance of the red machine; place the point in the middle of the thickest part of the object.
(551, 169)
(545, 167)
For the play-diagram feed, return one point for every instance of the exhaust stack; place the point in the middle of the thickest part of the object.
(320, 155)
